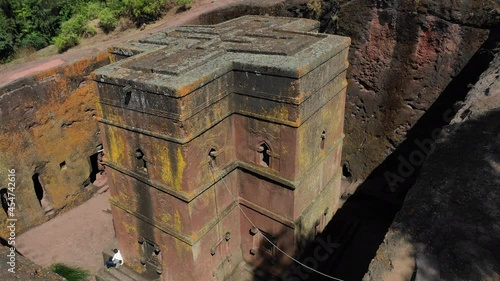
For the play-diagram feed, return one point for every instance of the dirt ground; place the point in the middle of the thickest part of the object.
(76, 238)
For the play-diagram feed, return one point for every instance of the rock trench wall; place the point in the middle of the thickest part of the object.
(403, 55)
(448, 226)
(49, 129)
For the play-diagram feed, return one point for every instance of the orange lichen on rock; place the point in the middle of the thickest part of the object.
(49, 132)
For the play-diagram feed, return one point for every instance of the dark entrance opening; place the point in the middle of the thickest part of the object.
(346, 172)
(94, 167)
(3, 197)
(37, 185)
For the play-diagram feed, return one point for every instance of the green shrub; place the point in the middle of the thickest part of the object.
(35, 40)
(75, 25)
(141, 11)
(91, 10)
(117, 6)
(70, 33)
(108, 20)
(70, 273)
(7, 39)
(184, 5)
(184, 2)
(64, 41)
(89, 31)
(314, 7)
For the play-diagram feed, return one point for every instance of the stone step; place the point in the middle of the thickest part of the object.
(103, 189)
(134, 275)
(124, 269)
(118, 273)
(105, 275)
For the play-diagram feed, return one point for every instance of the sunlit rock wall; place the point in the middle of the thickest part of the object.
(48, 127)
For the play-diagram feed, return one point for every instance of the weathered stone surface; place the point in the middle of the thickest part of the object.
(251, 105)
(23, 269)
(448, 228)
(404, 54)
(49, 128)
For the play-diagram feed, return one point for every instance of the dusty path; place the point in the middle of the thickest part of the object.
(76, 237)
(172, 19)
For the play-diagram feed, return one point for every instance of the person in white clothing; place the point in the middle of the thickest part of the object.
(116, 260)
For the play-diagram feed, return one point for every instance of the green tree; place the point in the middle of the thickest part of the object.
(7, 40)
(107, 20)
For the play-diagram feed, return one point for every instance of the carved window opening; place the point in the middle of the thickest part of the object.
(212, 155)
(4, 199)
(150, 255)
(127, 97)
(128, 94)
(141, 163)
(267, 243)
(263, 242)
(264, 155)
(323, 137)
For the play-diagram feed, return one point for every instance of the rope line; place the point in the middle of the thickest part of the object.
(258, 230)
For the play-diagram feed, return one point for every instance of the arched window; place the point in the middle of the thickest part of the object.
(141, 163)
(323, 137)
(264, 155)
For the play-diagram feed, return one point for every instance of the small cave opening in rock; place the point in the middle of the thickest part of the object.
(346, 171)
(4, 199)
(37, 185)
(41, 195)
(94, 167)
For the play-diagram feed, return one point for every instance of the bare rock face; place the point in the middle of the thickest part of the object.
(49, 131)
(23, 268)
(449, 226)
(403, 55)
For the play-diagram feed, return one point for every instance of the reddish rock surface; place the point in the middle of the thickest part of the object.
(448, 227)
(403, 55)
(49, 129)
(24, 269)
